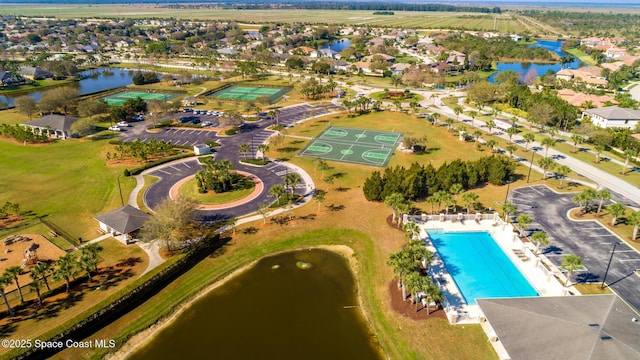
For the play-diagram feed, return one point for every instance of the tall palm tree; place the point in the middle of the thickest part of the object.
(476, 135)
(449, 122)
(457, 110)
(403, 208)
(277, 191)
(263, 148)
(13, 272)
(319, 195)
(562, 171)
(512, 131)
(523, 221)
(440, 197)
(628, 154)
(43, 270)
(402, 266)
(546, 164)
(412, 230)
(418, 253)
(540, 238)
(434, 294)
(577, 139)
(432, 200)
(617, 210)
(4, 281)
(36, 284)
(89, 258)
(66, 268)
(415, 283)
(598, 149)
(634, 219)
(492, 144)
(470, 199)
(291, 180)
(456, 189)
(528, 139)
(448, 200)
(264, 211)
(511, 149)
(244, 149)
(547, 142)
(322, 166)
(490, 124)
(473, 115)
(571, 263)
(602, 195)
(508, 208)
(394, 201)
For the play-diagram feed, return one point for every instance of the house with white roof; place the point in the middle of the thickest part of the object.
(613, 117)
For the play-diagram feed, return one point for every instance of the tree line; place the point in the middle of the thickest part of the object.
(420, 181)
(140, 150)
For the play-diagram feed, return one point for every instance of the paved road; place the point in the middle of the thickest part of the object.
(587, 239)
(254, 133)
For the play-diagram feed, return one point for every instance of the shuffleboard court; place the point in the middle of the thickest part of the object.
(121, 97)
(359, 146)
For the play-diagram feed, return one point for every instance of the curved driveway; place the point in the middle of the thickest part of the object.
(253, 134)
(587, 239)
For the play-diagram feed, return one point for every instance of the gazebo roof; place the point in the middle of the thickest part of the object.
(125, 219)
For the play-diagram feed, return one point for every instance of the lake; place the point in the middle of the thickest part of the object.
(274, 313)
(523, 68)
(93, 81)
(338, 45)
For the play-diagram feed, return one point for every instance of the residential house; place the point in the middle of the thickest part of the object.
(590, 75)
(123, 223)
(613, 117)
(383, 57)
(400, 68)
(562, 327)
(227, 52)
(615, 52)
(6, 78)
(593, 42)
(34, 73)
(363, 66)
(325, 53)
(456, 58)
(53, 126)
(578, 99)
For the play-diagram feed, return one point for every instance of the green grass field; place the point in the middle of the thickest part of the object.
(411, 19)
(190, 191)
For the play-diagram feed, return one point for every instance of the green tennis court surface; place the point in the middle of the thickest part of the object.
(249, 93)
(121, 97)
(359, 146)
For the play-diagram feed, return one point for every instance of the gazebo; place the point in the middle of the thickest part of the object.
(123, 223)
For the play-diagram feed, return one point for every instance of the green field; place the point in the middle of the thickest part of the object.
(411, 19)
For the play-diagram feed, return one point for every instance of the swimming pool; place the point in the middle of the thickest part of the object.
(479, 267)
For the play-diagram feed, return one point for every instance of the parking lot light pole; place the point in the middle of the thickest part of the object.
(120, 189)
(507, 194)
(609, 264)
(533, 153)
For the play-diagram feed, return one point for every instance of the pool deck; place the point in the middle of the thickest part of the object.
(520, 253)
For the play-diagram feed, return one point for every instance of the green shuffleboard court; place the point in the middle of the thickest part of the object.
(249, 93)
(121, 97)
(359, 146)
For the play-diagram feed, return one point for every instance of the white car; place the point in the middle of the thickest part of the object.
(123, 124)
(206, 123)
(115, 128)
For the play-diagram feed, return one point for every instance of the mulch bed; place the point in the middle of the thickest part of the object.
(408, 309)
(392, 224)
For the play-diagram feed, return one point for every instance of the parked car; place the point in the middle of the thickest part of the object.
(137, 118)
(115, 128)
(186, 110)
(195, 120)
(184, 119)
(211, 112)
(123, 124)
(206, 123)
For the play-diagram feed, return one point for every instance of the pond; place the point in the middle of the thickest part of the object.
(275, 310)
(523, 68)
(338, 45)
(92, 81)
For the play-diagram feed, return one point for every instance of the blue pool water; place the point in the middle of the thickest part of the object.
(479, 266)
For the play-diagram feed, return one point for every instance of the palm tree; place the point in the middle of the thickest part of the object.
(36, 284)
(492, 144)
(433, 293)
(546, 164)
(403, 208)
(470, 199)
(291, 180)
(523, 221)
(416, 283)
(412, 230)
(449, 122)
(448, 200)
(66, 268)
(42, 270)
(439, 196)
(277, 191)
(394, 200)
(562, 172)
(4, 281)
(571, 263)
(634, 219)
(602, 195)
(402, 266)
(628, 154)
(432, 200)
(457, 110)
(511, 149)
(244, 149)
(13, 272)
(473, 115)
(456, 189)
(396, 81)
(264, 210)
(512, 131)
(577, 139)
(490, 124)
(476, 135)
(418, 253)
(436, 117)
(89, 258)
(263, 148)
(323, 166)
(617, 210)
(508, 208)
(540, 237)
(318, 195)
(598, 149)
(547, 142)
(528, 139)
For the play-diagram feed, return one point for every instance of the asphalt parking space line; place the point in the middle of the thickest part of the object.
(185, 164)
(625, 260)
(619, 251)
(283, 172)
(174, 168)
(164, 172)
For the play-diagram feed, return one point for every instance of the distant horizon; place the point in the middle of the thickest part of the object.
(534, 3)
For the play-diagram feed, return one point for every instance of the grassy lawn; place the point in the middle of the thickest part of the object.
(121, 265)
(148, 181)
(190, 191)
(39, 85)
(592, 289)
(380, 96)
(581, 56)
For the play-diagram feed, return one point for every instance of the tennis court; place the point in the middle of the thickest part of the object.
(121, 97)
(358, 146)
(249, 93)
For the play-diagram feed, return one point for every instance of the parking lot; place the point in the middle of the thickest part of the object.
(588, 239)
(178, 136)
